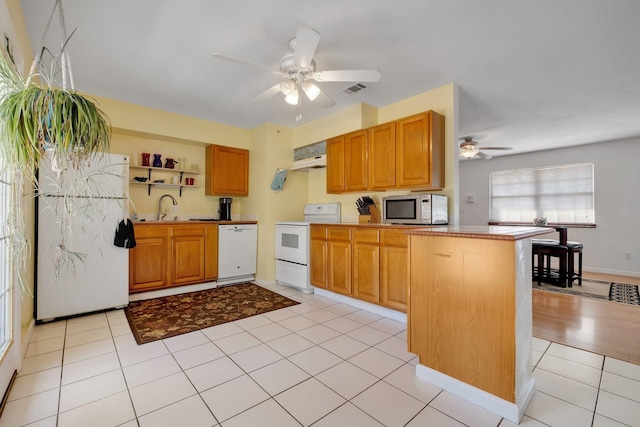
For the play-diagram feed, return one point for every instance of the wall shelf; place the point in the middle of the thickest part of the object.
(149, 183)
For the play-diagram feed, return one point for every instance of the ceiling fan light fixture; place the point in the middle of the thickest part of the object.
(292, 97)
(287, 86)
(469, 152)
(312, 91)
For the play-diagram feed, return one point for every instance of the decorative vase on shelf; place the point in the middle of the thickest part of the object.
(157, 161)
(145, 159)
(169, 164)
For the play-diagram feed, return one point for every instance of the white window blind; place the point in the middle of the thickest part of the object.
(563, 194)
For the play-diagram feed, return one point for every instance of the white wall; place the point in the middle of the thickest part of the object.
(617, 199)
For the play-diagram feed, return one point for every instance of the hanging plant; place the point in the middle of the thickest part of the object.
(37, 117)
(38, 114)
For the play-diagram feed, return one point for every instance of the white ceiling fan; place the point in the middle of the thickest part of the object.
(470, 149)
(299, 71)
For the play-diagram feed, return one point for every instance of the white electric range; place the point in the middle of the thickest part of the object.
(292, 244)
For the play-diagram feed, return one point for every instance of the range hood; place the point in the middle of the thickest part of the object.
(317, 162)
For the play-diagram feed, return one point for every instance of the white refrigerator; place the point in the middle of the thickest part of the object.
(97, 197)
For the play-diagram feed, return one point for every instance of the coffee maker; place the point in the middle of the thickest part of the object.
(225, 209)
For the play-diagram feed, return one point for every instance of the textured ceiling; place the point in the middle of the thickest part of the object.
(531, 74)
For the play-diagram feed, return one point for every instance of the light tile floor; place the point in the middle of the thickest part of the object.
(320, 363)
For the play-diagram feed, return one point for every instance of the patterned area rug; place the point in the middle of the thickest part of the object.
(598, 289)
(165, 317)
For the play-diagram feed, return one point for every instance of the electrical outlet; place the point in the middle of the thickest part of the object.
(627, 255)
(175, 208)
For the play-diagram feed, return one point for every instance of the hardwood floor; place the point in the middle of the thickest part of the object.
(603, 327)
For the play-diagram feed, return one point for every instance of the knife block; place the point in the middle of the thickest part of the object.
(372, 218)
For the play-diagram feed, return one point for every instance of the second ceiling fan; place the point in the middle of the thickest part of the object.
(299, 72)
(470, 149)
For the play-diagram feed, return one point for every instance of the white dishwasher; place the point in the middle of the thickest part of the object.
(237, 253)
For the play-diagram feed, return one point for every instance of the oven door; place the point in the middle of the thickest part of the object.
(291, 243)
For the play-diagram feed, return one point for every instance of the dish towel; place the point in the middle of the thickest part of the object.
(125, 237)
(278, 181)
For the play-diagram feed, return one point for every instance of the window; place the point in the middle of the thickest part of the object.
(5, 265)
(563, 194)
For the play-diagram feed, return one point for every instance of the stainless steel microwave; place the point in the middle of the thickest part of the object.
(410, 209)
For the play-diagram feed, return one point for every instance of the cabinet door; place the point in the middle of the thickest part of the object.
(339, 267)
(211, 252)
(318, 256)
(420, 151)
(187, 250)
(356, 160)
(318, 267)
(339, 259)
(226, 171)
(149, 261)
(393, 277)
(366, 268)
(366, 264)
(335, 165)
(382, 156)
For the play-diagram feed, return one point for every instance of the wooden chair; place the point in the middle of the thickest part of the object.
(542, 252)
(573, 249)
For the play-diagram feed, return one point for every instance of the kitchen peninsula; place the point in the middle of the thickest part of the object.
(469, 313)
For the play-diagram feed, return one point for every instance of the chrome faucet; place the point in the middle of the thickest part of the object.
(161, 214)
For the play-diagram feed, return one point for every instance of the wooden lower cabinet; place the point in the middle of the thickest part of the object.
(393, 277)
(210, 252)
(339, 260)
(149, 260)
(168, 255)
(394, 280)
(318, 256)
(187, 254)
(367, 263)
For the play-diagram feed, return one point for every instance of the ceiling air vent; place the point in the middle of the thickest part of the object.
(355, 88)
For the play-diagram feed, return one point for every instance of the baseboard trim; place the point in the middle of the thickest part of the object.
(363, 305)
(609, 271)
(508, 410)
(172, 291)
(24, 343)
(5, 397)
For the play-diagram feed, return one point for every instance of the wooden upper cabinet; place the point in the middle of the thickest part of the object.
(406, 153)
(356, 160)
(382, 156)
(335, 165)
(226, 171)
(420, 151)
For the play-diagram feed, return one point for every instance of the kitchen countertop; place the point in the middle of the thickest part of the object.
(368, 225)
(194, 221)
(492, 232)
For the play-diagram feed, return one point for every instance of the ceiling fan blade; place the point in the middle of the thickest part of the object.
(324, 100)
(347, 76)
(243, 62)
(307, 41)
(266, 94)
(482, 155)
(495, 148)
